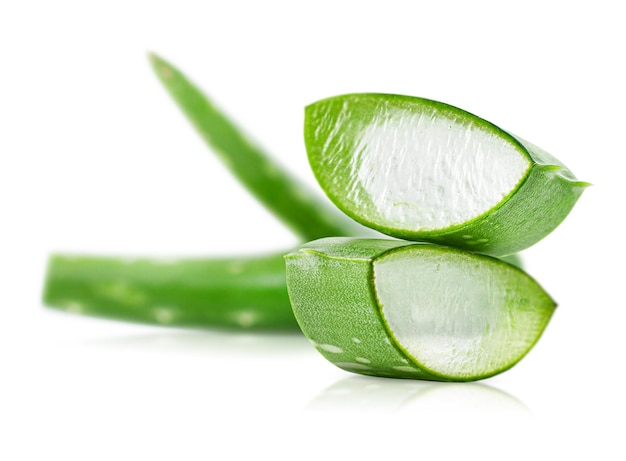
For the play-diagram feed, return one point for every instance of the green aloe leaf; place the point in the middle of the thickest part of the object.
(241, 292)
(422, 170)
(245, 292)
(301, 209)
(414, 310)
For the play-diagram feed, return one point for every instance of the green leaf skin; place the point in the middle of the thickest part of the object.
(302, 210)
(338, 288)
(335, 141)
(238, 293)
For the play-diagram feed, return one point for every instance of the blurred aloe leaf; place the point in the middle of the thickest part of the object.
(305, 212)
(242, 293)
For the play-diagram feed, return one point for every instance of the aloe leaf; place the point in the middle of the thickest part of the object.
(422, 170)
(414, 310)
(301, 209)
(241, 293)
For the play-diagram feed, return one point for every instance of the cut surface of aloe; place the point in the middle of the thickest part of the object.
(411, 310)
(419, 169)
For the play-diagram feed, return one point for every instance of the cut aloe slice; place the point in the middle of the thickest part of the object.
(410, 310)
(423, 170)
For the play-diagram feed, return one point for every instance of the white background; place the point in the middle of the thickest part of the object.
(96, 158)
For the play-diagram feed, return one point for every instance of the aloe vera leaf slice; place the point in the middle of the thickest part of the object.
(423, 170)
(306, 213)
(414, 310)
(239, 293)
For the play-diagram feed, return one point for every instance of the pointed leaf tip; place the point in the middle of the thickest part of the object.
(154, 58)
(163, 69)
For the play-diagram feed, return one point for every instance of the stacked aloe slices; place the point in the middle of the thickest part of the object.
(243, 292)
(425, 171)
(410, 168)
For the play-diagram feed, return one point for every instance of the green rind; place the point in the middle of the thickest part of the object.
(535, 207)
(240, 293)
(334, 303)
(332, 291)
(302, 210)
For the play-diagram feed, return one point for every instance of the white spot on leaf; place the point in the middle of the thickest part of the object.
(122, 293)
(352, 366)
(74, 307)
(164, 314)
(246, 318)
(235, 267)
(330, 348)
(405, 368)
